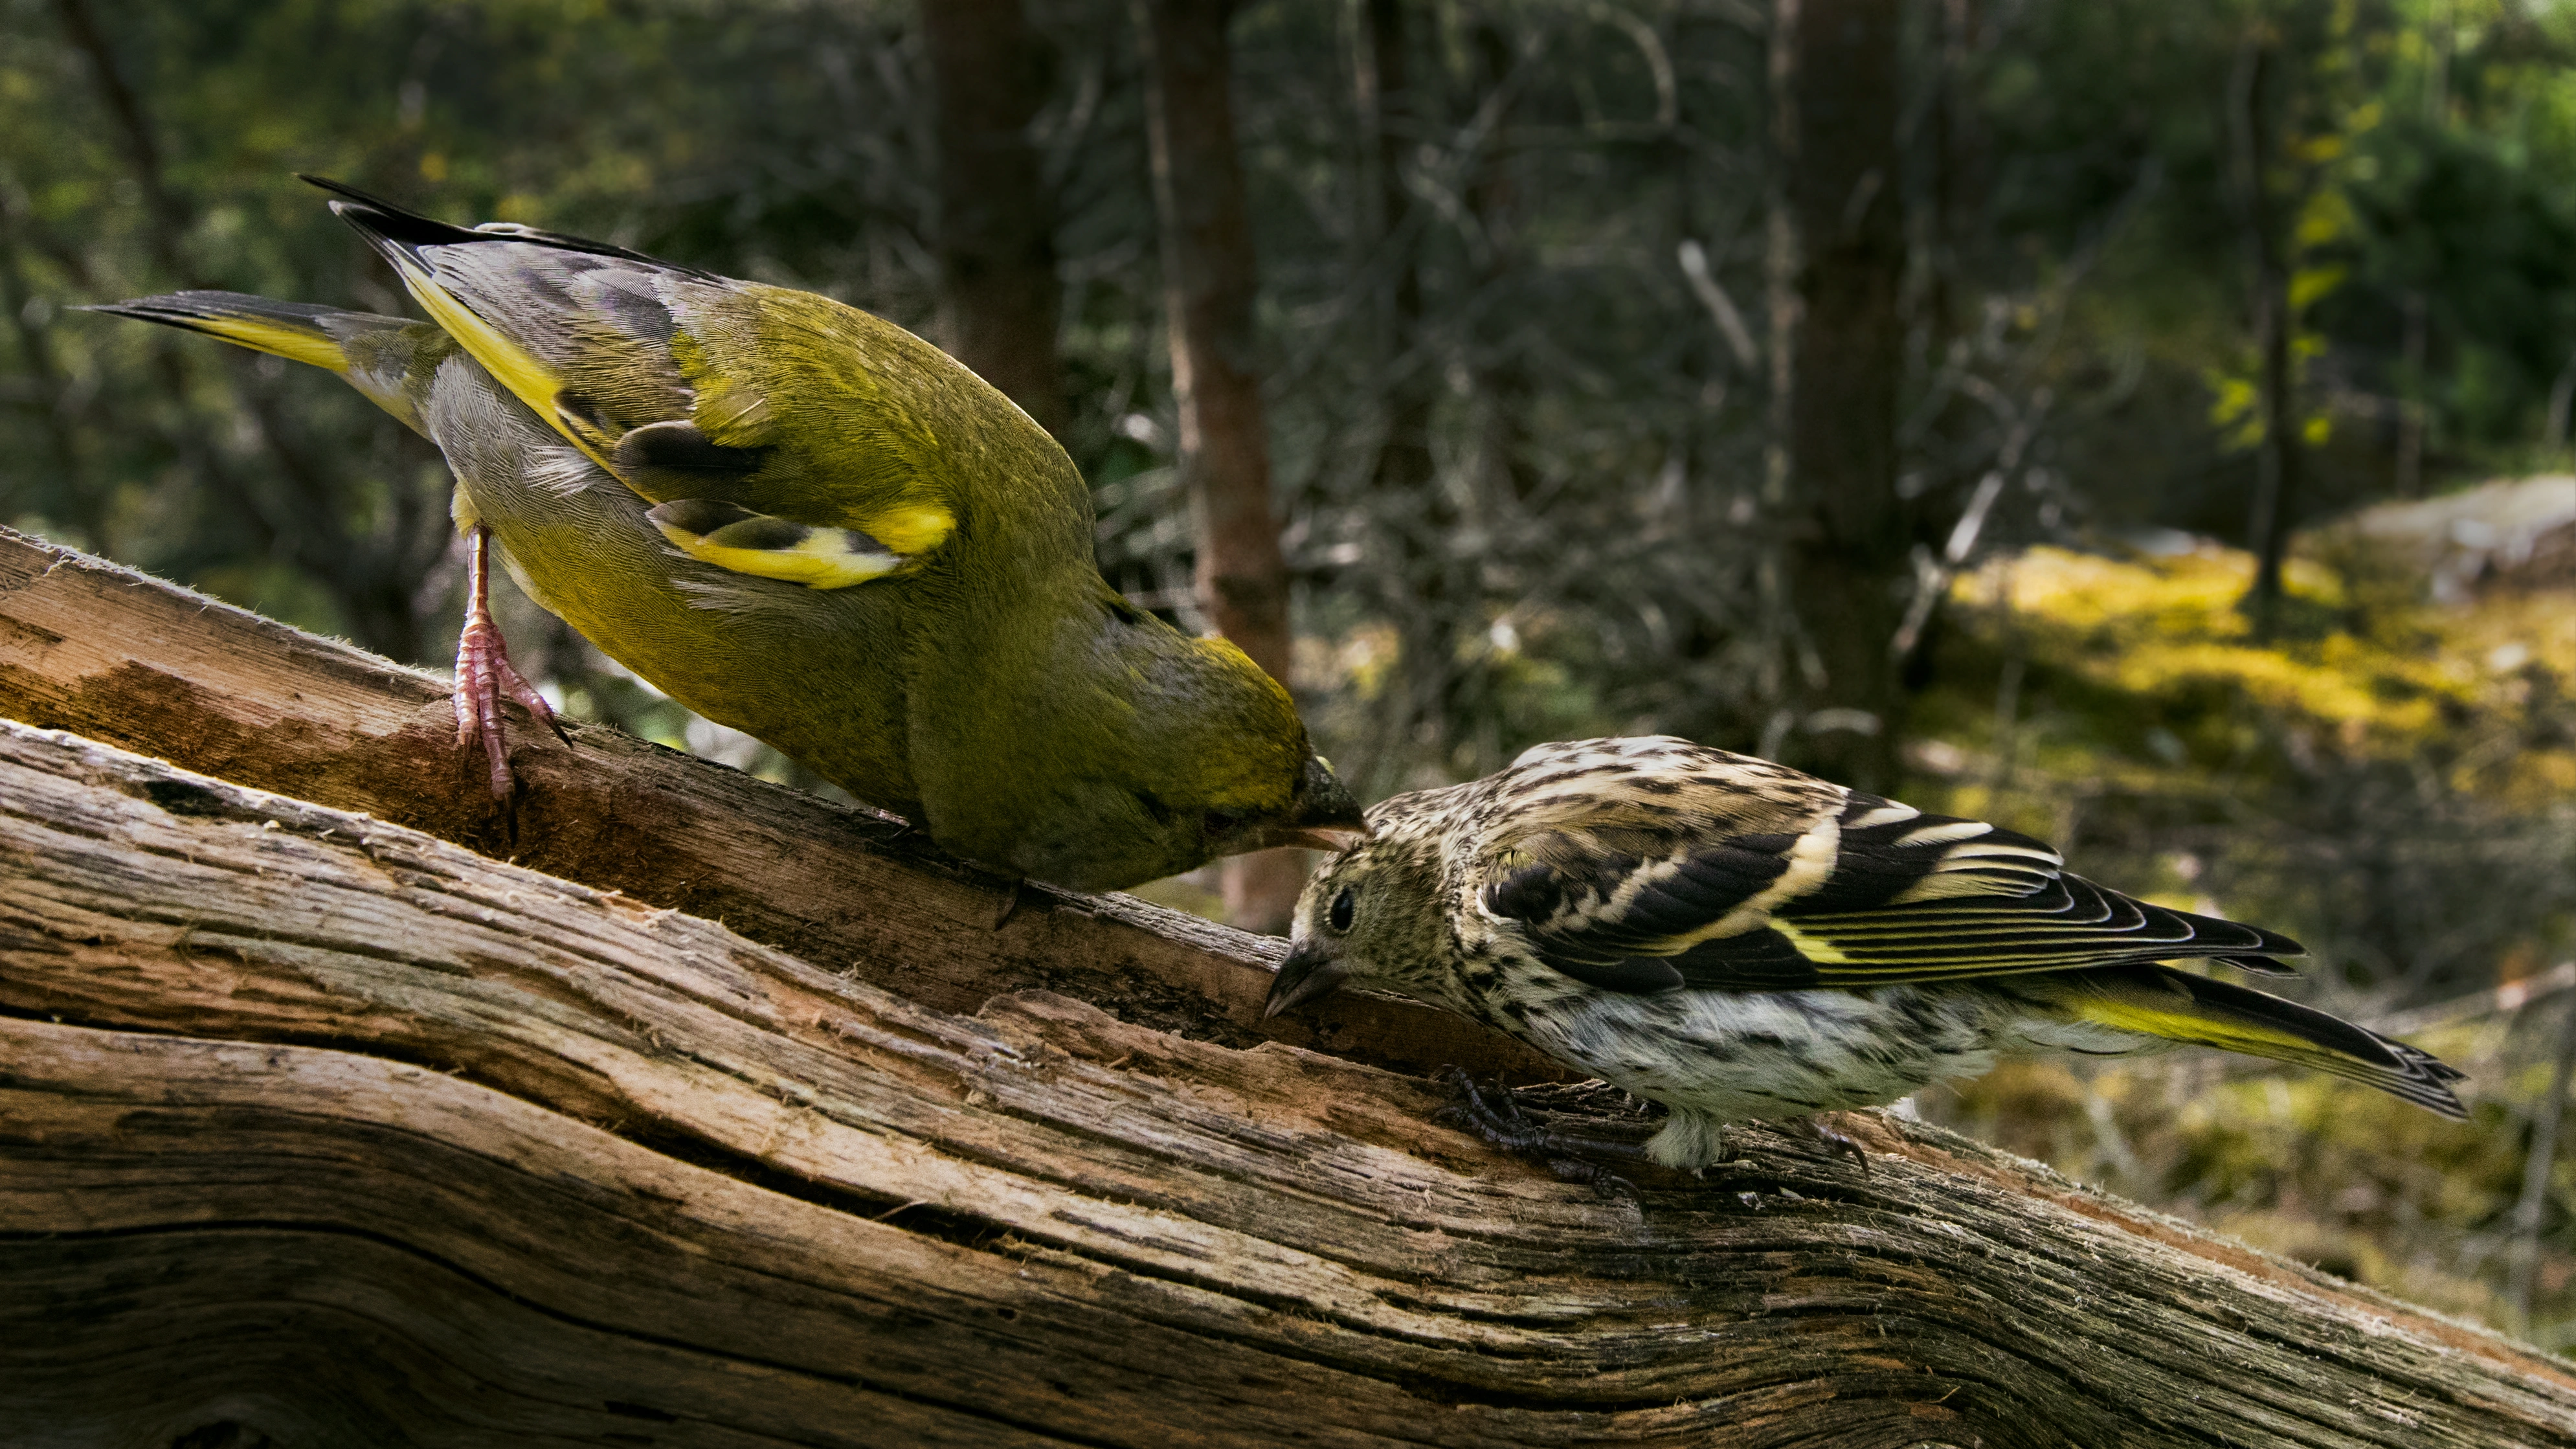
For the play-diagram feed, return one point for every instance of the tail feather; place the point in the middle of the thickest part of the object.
(2158, 1001)
(292, 330)
(389, 359)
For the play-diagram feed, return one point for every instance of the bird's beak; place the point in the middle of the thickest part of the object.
(1321, 814)
(1309, 973)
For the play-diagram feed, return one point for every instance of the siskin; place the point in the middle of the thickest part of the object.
(1739, 941)
(802, 521)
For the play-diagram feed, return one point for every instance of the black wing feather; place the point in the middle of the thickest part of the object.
(1854, 928)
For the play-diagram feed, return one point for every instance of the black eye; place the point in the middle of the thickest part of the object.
(1339, 917)
(1220, 822)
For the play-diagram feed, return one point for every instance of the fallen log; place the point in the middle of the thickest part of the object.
(100, 650)
(317, 1129)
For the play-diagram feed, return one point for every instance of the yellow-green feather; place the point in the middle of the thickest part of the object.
(1000, 693)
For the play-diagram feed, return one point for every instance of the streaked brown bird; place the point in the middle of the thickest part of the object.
(1739, 941)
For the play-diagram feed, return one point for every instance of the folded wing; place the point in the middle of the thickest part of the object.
(1714, 871)
(671, 379)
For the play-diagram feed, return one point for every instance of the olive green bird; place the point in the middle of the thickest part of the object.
(1740, 941)
(800, 520)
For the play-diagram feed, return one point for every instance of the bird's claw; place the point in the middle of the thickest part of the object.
(1601, 1180)
(1507, 1127)
(1010, 906)
(484, 674)
(1815, 1130)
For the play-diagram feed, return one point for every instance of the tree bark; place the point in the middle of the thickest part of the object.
(2278, 460)
(1209, 283)
(94, 648)
(318, 1130)
(999, 294)
(1837, 350)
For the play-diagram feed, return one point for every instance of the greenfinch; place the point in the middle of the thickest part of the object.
(1739, 941)
(800, 520)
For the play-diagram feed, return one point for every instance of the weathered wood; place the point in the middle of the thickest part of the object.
(100, 650)
(322, 1127)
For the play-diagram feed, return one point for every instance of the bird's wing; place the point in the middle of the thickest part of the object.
(676, 381)
(1680, 866)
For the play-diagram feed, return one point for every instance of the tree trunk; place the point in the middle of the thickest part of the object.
(999, 294)
(1495, 202)
(1208, 288)
(2277, 461)
(1428, 600)
(316, 1129)
(1837, 349)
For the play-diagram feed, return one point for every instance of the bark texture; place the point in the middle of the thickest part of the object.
(105, 652)
(317, 1129)
(1209, 283)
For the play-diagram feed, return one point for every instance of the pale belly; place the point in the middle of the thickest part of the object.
(1733, 1056)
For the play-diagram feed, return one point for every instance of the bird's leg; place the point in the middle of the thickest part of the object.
(1568, 1156)
(1815, 1130)
(483, 672)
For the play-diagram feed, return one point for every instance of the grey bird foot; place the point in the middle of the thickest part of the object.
(1570, 1157)
(1815, 1130)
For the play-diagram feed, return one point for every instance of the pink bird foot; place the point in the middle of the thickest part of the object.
(484, 673)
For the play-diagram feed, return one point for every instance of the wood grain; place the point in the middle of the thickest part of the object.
(325, 1130)
(100, 650)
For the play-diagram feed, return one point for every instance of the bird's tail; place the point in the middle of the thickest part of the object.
(292, 330)
(2158, 1001)
(384, 357)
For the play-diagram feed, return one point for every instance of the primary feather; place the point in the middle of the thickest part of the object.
(1739, 940)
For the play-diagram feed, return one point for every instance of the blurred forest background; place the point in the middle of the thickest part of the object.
(2130, 420)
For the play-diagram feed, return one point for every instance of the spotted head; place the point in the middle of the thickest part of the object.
(1376, 914)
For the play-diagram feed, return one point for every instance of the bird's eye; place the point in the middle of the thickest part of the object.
(1220, 822)
(1339, 917)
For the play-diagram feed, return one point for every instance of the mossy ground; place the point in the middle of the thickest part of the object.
(2177, 751)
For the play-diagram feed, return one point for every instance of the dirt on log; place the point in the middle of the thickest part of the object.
(318, 1130)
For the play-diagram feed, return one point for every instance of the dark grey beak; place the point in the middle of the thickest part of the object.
(1321, 814)
(1310, 973)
